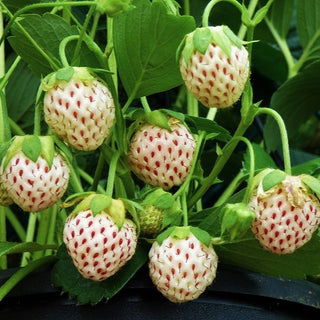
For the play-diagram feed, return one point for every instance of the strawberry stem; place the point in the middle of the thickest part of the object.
(145, 104)
(283, 134)
(112, 173)
(211, 4)
(29, 237)
(3, 235)
(62, 49)
(16, 225)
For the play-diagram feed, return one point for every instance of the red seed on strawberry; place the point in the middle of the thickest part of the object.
(33, 173)
(96, 243)
(79, 109)
(214, 71)
(162, 158)
(287, 215)
(181, 269)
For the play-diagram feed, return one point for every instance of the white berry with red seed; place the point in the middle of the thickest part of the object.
(287, 215)
(97, 246)
(35, 186)
(80, 111)
(162, 158)
(181, 269)
(213, 77)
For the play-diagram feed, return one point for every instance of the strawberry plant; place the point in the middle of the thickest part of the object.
(178, 135)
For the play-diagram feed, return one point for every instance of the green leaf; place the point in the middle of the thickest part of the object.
(308, 167)
(16, 247)
(31, 147)
(197, 124)
(250, 255)
(99, 203)
(20, 101)
(164, 201)
(312, 182)
(146, 52)
(272, 179)
(280, 15)
(308, 25)
(202, 37)
(66, 276)
(299, 93)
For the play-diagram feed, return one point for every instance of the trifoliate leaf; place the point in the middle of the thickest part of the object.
(272, 179)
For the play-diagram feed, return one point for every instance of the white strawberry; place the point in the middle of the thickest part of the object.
(214, 66)
(78, 107)
(287, 214)
(34, 182)
(181, 266)
(159, 157)
(99, 242)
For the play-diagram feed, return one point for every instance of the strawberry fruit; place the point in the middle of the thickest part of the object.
(287, 214)
(181, 266)
(33, 173)
(98, 237)
(78, 107)
(159, 157)
(214, 66)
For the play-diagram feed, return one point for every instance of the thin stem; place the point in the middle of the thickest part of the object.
(186, 183)
(22, 273)
(3, 235)
(112, 173)
(192, 105)
(251, 8)
(184, 208)
(212, 113)
(109, 51)
(52, 228)
(305, 54)
(62, 49)
(229, 190)
(15, 128)
(95, 22)
(219, 165)
(9, 72)
(2, 51)
(42, 232)
(211, 4)
(186, 7)
(16, 225)
(282, 43)
(29, 237)
(145, 104)
(83, 174)
(83, 31)
(284, 136)
(39, 5)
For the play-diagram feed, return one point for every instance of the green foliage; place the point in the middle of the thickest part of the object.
(146, 53)
(67, 277)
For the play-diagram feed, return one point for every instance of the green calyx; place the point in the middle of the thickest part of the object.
(113, 7)
(237, 218)
(312, 183)
(103, 204)
(32, 146)
(67, 74)
(201, 38)
(181, 233)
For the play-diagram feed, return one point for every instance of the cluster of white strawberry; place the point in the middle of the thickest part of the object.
(99, 237)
